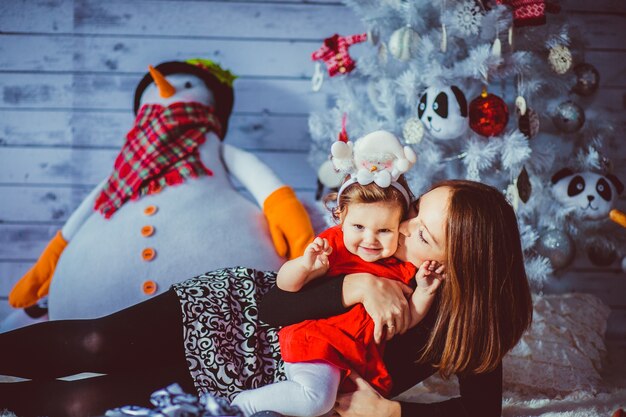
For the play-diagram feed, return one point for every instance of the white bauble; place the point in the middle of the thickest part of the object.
(403, 42)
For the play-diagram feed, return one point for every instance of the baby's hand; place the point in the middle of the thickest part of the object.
(429, 277)
(316, 254)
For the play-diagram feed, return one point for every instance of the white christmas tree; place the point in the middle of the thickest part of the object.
(494, 93)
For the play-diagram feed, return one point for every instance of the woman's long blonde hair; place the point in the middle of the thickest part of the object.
(485, 305)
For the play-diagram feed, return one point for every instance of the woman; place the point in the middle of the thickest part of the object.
(481, 312)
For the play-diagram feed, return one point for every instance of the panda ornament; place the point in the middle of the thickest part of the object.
(443, 111)
(591, 195)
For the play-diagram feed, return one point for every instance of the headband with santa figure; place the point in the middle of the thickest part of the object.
(377, 157)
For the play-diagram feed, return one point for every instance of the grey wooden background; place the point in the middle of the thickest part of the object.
(68, 70)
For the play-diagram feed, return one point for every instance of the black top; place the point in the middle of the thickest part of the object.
(481, 395)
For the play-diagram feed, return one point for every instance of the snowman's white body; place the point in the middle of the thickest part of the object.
(200, 225)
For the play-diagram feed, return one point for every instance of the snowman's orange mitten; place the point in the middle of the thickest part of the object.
(36, 282)
(288, 221)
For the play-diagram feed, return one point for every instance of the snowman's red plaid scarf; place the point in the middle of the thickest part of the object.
(161, 149)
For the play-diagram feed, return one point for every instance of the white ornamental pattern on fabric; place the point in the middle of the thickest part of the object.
(227, 349)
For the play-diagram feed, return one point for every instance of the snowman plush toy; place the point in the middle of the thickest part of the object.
(168, 210)
(377, 157)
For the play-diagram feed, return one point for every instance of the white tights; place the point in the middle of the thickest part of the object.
(310, 390)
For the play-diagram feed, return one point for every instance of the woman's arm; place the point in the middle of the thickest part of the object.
(383, 299)
(319, 299)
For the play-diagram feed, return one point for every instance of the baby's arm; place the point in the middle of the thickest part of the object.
(296, 273)
(429, 277)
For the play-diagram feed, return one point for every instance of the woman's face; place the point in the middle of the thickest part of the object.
(422, 237)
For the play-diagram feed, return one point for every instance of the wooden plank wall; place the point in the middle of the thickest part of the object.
(68, 69)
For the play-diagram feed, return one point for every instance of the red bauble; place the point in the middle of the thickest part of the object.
(488, 115)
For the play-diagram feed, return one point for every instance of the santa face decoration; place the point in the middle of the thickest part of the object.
(592, 195)
(443, 111)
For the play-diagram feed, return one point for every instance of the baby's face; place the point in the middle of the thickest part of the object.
(370, 230)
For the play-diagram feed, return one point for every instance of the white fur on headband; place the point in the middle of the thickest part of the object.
(377, 157)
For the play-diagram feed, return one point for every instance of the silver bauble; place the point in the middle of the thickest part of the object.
(568, 117)
(557, 246)
(587, 79)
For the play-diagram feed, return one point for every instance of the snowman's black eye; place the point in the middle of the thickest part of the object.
(188, 84)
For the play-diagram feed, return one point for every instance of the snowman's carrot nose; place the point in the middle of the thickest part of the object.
(165, 88)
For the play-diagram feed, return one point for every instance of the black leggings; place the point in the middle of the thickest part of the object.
(139, 349)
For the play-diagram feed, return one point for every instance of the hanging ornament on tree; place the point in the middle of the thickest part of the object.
(327, 177)
(383, 53)
(343, 134)
(528, 119)
(373, 36)
(468, 18)
(601, 252)
(520, 189)
(334, 53)
(444, 38)
(587, 79)
(488, 114)
(589, 195)
(413, 131)
(403, 43)
(524, 188)
(512, 196)
(443, 110)
(528, 123)
(520, 105)
(568, 117)
(496, 48)
(560, 59)
(318, 77)
(557, 246)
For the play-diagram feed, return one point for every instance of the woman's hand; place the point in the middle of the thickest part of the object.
(365, 402)
(385, 300)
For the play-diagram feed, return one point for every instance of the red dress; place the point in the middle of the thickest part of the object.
(347, 340)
